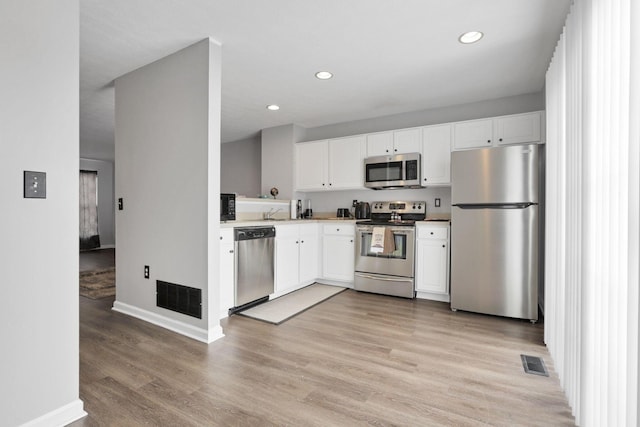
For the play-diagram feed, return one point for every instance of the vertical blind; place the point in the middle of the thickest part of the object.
(591, 296)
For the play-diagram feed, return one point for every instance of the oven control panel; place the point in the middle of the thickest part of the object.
(419, 207)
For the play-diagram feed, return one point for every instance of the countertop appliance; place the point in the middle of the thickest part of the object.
(363, 210)
(390, 273)
(495, 196)
(390, 172)
(254, 266)
(227, 207)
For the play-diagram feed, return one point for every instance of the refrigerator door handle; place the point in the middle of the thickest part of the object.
(495, 205)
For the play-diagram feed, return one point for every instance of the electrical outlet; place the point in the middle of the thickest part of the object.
(354, 203)
(146, 271)
(437, 203)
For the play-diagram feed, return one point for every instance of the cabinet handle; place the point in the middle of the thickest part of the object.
(330, 184)
(302, 241)
(220, 237)
(337, 229)
(323, 184)
(386, 151)
(230, 251)
(500, 139)
(432, 233)
(488, 141)
(443, 246)
(395, 149)
(296, 242)
(351, 240)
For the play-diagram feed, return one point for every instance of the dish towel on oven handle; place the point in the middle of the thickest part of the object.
(382, 241)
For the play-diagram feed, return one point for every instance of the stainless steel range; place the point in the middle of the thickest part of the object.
(389, 271)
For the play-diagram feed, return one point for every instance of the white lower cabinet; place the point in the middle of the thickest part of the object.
(227, 271)
(432, 262)
(296, 257)
(338, 252)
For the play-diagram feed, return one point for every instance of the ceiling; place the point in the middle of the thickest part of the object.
(387, 56)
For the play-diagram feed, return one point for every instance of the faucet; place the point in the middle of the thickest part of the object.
(269, 215)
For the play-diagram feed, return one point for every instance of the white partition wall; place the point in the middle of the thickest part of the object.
(591, 298)
(167, 153)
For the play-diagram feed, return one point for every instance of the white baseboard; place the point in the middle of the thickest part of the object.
(60, 417)
(433, 297)
(198, 334)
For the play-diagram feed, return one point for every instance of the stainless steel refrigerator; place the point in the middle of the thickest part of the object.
(495, 224)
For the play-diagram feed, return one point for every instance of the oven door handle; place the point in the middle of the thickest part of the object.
(383, 278)
(402, 231)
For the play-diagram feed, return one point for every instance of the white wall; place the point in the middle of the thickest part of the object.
(241, 167)
(277, 159)
(167, 153)
(39, 237)
(106, 206)
(476, 110)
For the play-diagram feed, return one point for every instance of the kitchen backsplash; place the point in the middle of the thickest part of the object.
(329, 201)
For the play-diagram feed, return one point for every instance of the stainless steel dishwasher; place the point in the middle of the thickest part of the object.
(254, 265)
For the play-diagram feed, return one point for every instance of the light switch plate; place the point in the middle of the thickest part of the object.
(35, 185)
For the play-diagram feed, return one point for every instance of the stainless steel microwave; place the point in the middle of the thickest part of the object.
(388, 172)
(227, 207)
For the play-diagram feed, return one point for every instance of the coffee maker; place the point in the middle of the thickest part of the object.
(363, 210)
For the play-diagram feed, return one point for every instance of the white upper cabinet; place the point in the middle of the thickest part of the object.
(472, 134)
(400, 141)
(335, 164)
(346, 164)
(311, 165)
(407, 141)
(379, 144)
(518, 129)
(436, 155)
(504, 130)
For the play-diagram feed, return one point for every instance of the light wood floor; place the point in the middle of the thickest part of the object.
(97, 259)
(355, 359)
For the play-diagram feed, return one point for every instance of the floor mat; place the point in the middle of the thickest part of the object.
(280, 309)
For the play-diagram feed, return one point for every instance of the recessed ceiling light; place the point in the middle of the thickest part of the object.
(273, 107)
(470, 37)
(324, 75)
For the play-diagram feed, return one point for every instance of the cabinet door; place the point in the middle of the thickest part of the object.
(431, 266)
(473, 134)
(518, 129)
(346, 162)
(407, 141)
(311, 165)
(309, 257)
(227, 276)
(436, 155)
(338, 258)
(286, 263)
(379, 144)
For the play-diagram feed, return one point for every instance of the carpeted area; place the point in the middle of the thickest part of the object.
(280, 309)
(96, 284)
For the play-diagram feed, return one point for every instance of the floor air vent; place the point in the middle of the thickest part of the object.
(182, 299)
(534, 365)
